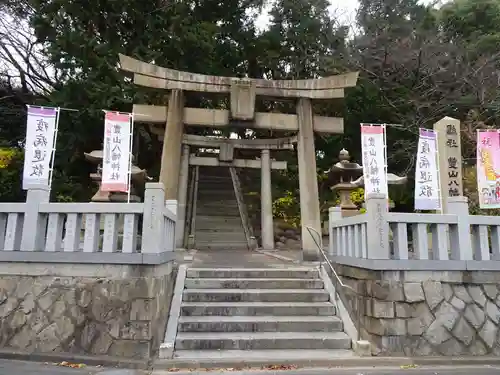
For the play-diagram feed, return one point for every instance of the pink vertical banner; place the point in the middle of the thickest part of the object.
(488, 168)
(373, 149)
(116, 152)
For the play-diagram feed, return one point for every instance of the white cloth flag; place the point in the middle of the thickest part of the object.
(116, 152)
(427, 190)
(38, 150)
(374, 159)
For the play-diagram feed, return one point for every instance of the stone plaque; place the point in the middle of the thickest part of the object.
(450, 158)
(226, 152)
(242, 99)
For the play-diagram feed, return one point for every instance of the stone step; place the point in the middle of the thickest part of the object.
(236, 235)
(212, 183)
(218, 193)
(200, 244)
(255, 295)
(219, 222)
(216, 220)
(226, 212)
(223, 175)
(215, 246)
(227, 224)
(259, 324)
(217, 231)
(216, 234)
(217, 204)
(213, 217)
(256, 308)
(258, 273)
(215, 227)
(258, 358)
(253, 283)
(261, 340)
(210, 245)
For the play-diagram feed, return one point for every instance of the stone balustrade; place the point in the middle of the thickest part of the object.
(419, 284)
(133, 233)
(457, 238)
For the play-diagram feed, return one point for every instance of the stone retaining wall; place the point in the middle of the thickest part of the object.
(102, 310)
(417, 313)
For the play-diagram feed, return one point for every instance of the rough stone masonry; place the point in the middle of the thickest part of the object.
(420, 313)
(104, 310)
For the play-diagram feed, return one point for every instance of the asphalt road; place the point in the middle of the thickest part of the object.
(8, 367)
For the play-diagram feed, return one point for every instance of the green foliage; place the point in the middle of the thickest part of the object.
(10, 170)
(287, 208)
(358, 197)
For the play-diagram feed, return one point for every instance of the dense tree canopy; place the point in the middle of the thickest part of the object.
(417, 63)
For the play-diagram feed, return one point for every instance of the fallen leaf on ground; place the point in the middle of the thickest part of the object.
(173, 369)
(279, 367)
(71, 365)
(405, 367)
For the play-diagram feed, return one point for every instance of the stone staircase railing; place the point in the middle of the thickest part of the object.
(132, 233)
(247, 227)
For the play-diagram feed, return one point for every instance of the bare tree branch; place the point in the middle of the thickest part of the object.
(21, 58)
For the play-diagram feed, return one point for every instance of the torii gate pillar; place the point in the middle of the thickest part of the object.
(172, 145)
(308, 181)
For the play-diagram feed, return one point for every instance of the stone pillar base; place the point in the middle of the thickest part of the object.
(311, 256)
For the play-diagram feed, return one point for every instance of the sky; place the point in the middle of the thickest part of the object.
(345, 10)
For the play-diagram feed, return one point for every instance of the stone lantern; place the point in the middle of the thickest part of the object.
(347, 176)
(341, 175)
(138, 181)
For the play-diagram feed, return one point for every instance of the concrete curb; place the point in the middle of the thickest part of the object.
(315, 364)
(314, 371)
(167, 347)
(105, 361)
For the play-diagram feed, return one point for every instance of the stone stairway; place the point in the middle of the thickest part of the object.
(218, 222)
(274, 315)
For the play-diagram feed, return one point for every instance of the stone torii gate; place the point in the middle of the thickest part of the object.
(242, 92)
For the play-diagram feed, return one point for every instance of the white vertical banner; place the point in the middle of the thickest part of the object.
(427, 186)
(117, 152)
(41, 133)
(374, 153)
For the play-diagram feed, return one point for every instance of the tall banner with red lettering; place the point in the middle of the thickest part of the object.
(427, 186)
(41, 132)
(488, 168)
(373, 148)
(116, 163)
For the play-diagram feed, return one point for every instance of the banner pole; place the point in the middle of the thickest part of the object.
(384, 129)
(54, 146)
(130, 156)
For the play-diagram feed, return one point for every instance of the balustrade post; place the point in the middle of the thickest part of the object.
(171, 204)
(35, 225)
(334, 214)
(377, 227)
(460, 237)
(153, 222)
